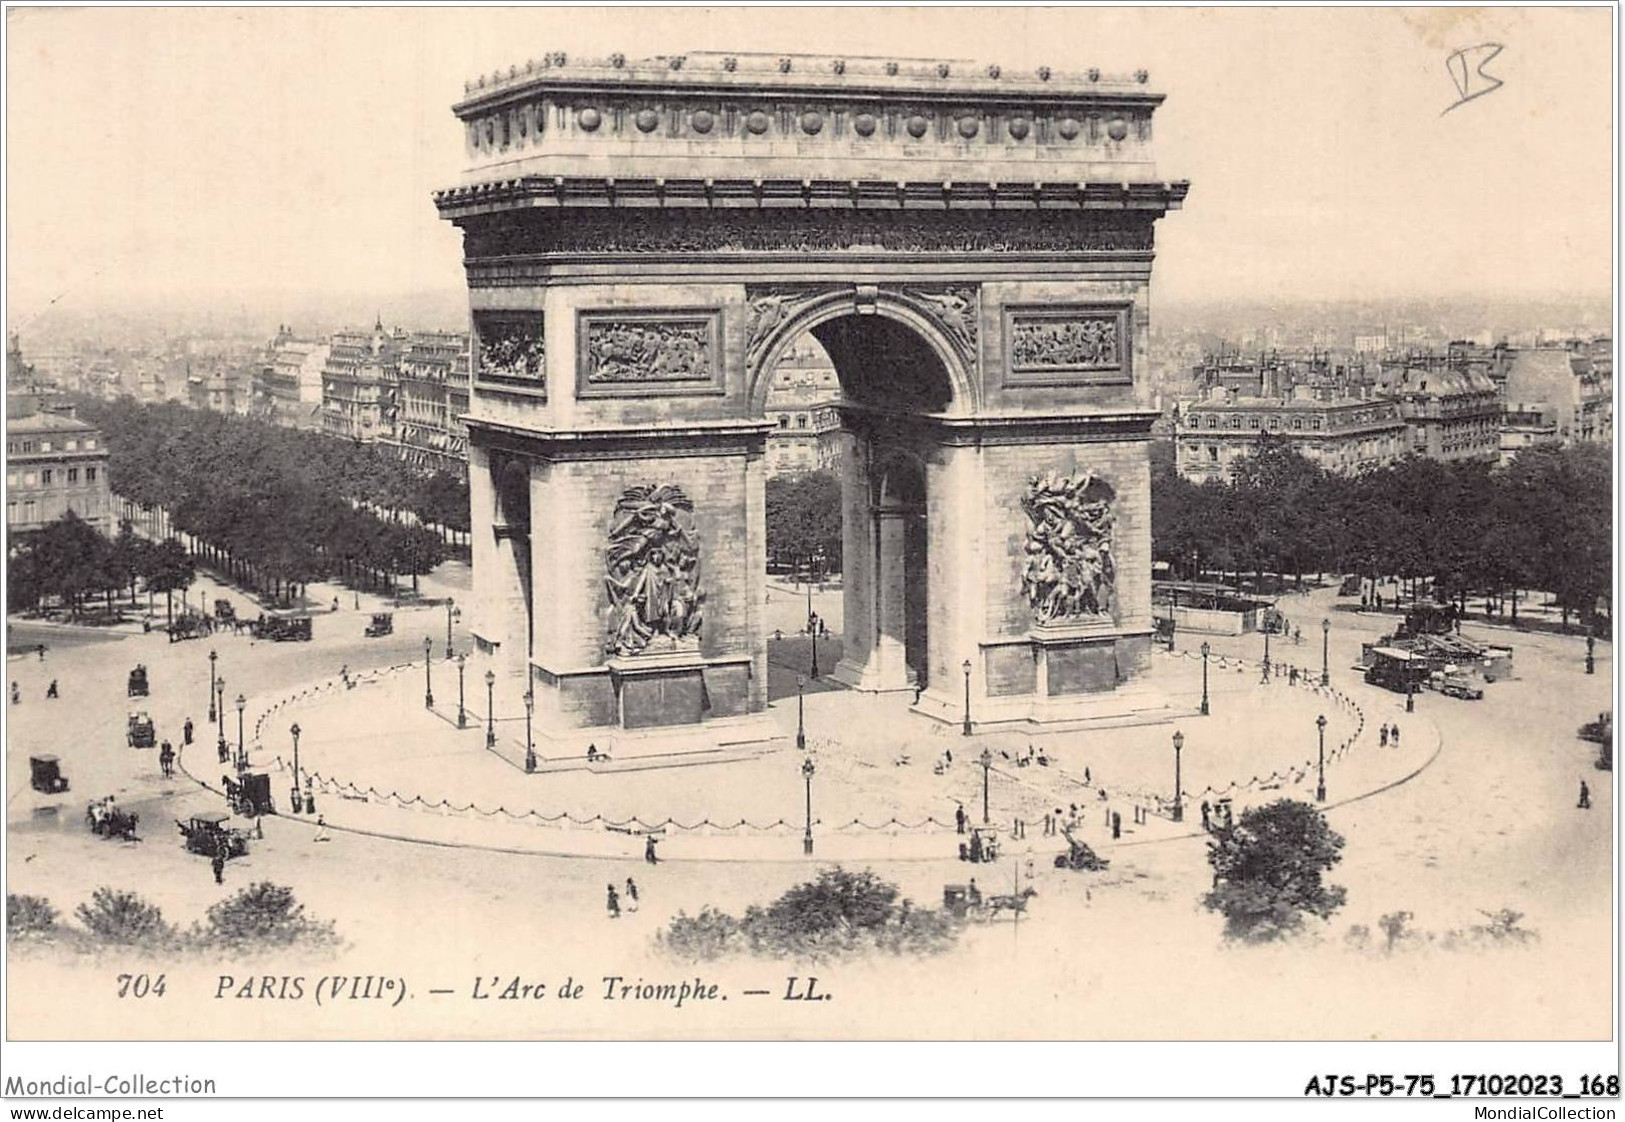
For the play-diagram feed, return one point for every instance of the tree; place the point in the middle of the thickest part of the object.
(1267, 871)
(804, 518)
(262, 917)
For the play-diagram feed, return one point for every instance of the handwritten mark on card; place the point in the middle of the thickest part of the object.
(1466, 68)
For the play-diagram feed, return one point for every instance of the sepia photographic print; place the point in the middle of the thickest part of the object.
(1085, 526)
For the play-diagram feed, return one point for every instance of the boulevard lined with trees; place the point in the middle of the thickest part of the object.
(270, 508)
(1475, 530)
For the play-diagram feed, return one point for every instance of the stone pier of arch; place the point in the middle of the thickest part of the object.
(643, 240)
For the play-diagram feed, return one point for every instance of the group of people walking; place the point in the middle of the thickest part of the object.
(613, 901)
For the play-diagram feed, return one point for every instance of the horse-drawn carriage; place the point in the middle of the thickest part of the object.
(139, 731)
(383, 623)
(137, 686)
(966, 902)
(224, 613)
(108, 820)
(283, 629)
(1079, 856)
(251, 797)
(208, 833)
(189, 625)
(45, 775)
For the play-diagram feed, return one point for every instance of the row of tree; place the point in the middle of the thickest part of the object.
(804, 521)
(1544, 521)
(275, 508)
(71, 562)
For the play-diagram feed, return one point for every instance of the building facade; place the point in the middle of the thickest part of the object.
(1567, 386)
(1452, 415)
(431, 397)
(1344, 435)
(358, 384)
(55, 463)
(801, 404)
(288, 384)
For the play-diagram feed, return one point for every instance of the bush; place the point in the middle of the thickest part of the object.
(262, 917)
(702, 938)
(123, 919)
(841, 914)
(29, 917)
(1267, 871)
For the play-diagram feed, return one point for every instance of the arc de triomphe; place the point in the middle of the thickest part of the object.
(973, 248)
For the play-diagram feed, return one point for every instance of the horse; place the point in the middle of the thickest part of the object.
(1016, 903)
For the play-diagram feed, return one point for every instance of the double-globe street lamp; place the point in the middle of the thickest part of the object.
(490, 709)
(242, 750)
(807, 770)
(1206, 649)
(1325, 652)
(1320, 787)
(212, 657)
(451, 609)
(428, 671)
(1179, 789)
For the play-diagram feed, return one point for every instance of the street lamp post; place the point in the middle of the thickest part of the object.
(296, 788)
(1320, 787)
(462, 714)
(987, 763)
(1325, 652)
(220, 716)
(212, 657)
(1206, 648)
(812, 625)
(1410, 694)
(530, 747)
(1266, 650)
(450, 605)
(242, 751)
(1179, 788)
(807, 770)
(801, 715)
(428, 664)
(490, 709)
(965, 666)
(1591, 653)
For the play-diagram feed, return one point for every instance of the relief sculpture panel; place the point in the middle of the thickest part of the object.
(511, 347)
(639, 355)
(1069, 575)
(1067, 346)
(652, 572)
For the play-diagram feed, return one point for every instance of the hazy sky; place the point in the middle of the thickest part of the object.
(178, 151)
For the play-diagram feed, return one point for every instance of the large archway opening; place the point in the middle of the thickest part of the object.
(855, 387)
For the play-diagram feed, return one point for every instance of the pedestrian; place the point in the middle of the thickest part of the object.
(321, 830)
(975, 847)
(1117, 825)
(613, 903)
(1382, 737)
(631, 895)
(218, 863)
(1087, 780)
(16, 694)
(959, 818)
(1207, 811)
(186, 733)
(41, 649)
(259, 828)
(50, 690)
(221, 750)
(1393, 736)
(1585, 796)
(649, 850)
(973, 895)
(335, 603)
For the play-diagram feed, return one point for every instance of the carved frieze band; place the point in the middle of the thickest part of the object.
(789, 231)
(1068, 345)
(510, 348)
(644, 353)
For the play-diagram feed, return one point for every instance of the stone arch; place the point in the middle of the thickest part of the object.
(811, 311)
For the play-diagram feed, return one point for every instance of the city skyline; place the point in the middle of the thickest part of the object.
(291, 179)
